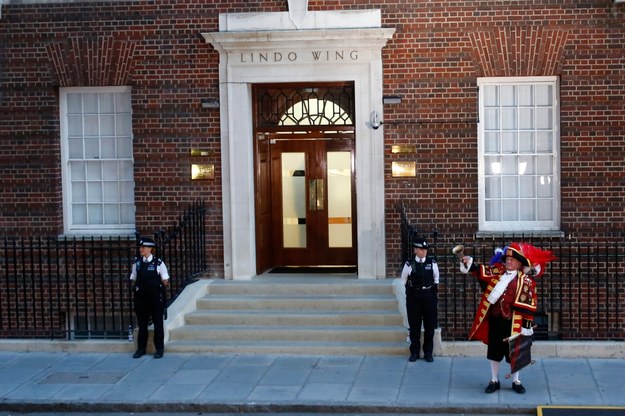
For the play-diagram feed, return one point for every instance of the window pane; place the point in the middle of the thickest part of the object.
(107, 125)
(526, 142)
(94, 192)
(79, 214)
(125, 170)
(545, 209)
(509, 118)
(75, 148)
(528, 210)
(122, 103)
(544, 187)
(510, 210)
(491, 96)
(544, 166)
(509, 142)
(544, 142)
(508, 96)
(127, 213)
(108, 147)
(77, 171)
(92, 126)
(94, 171)
(510, 187)
(110, 193)
(493, 210)
(526, 165)
(107, 103)
(124, 147)
(74, 126)
(126, 191)
(90, 103)
(123, 126)
(509, 165)
(526, 95)
(92, 148)
(526, 118)
(109, 171)
(544, 95)
(493, 187)
(491, 142)
(79, 192)
(111, 214)
(492, 119)
(74, 103)
(95, 214)
(544, 118)
(493, 165)
(528, 186)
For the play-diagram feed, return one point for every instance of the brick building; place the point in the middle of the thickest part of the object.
(306, 126)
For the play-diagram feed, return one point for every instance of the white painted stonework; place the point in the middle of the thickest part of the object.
(325, 46)
(297, 11)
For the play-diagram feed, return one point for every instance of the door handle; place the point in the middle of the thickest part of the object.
(315, 194)
(320, 194)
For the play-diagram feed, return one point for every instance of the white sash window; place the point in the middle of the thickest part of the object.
(97, 161)
(518, 147)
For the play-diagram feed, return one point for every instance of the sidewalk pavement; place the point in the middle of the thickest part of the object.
(216, 383)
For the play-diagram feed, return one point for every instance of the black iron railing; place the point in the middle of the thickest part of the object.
(78, 288)
(581, 295)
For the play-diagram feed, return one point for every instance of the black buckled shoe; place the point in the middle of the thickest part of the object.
(138, 354)
(413, 357)
(492, 387)
(518, 387)
(158, 354)
(429, 358)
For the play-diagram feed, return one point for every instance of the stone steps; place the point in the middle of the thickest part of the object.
(293, 315)
(300, 317)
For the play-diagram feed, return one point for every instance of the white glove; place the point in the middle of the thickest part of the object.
(464, 268)
(528, 332)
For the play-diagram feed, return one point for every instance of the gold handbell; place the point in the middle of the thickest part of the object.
(459, 251)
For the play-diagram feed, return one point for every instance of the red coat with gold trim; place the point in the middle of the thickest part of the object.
(520, 299)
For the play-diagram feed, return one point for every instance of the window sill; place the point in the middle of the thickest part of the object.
(519, 234)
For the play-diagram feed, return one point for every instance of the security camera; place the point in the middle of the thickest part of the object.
(375, 122)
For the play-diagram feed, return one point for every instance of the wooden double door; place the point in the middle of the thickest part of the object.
(306, 204)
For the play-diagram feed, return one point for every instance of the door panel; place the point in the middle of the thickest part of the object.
(312, 191)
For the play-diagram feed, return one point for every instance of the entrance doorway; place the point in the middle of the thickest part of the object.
(305, 182)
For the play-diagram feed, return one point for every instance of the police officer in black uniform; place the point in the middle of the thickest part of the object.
(420, 276)
(149, 276)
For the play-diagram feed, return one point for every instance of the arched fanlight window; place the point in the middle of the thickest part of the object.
(288, 106)
(315, 112)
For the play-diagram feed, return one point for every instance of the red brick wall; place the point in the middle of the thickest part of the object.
(438, 51)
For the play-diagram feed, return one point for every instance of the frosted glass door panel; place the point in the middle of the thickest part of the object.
(339, 199)
(294, 200)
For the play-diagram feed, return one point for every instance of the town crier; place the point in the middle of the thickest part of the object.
(508, 303)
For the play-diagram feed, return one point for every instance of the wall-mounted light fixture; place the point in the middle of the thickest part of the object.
(209, 103)
(391, 99)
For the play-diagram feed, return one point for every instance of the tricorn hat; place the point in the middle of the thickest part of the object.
(515, 250)
(533, 258)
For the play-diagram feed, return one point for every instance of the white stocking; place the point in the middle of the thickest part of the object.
(494, 370)
(515, 377)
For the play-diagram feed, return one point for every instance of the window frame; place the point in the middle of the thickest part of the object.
(69, 227)
(519, 226)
